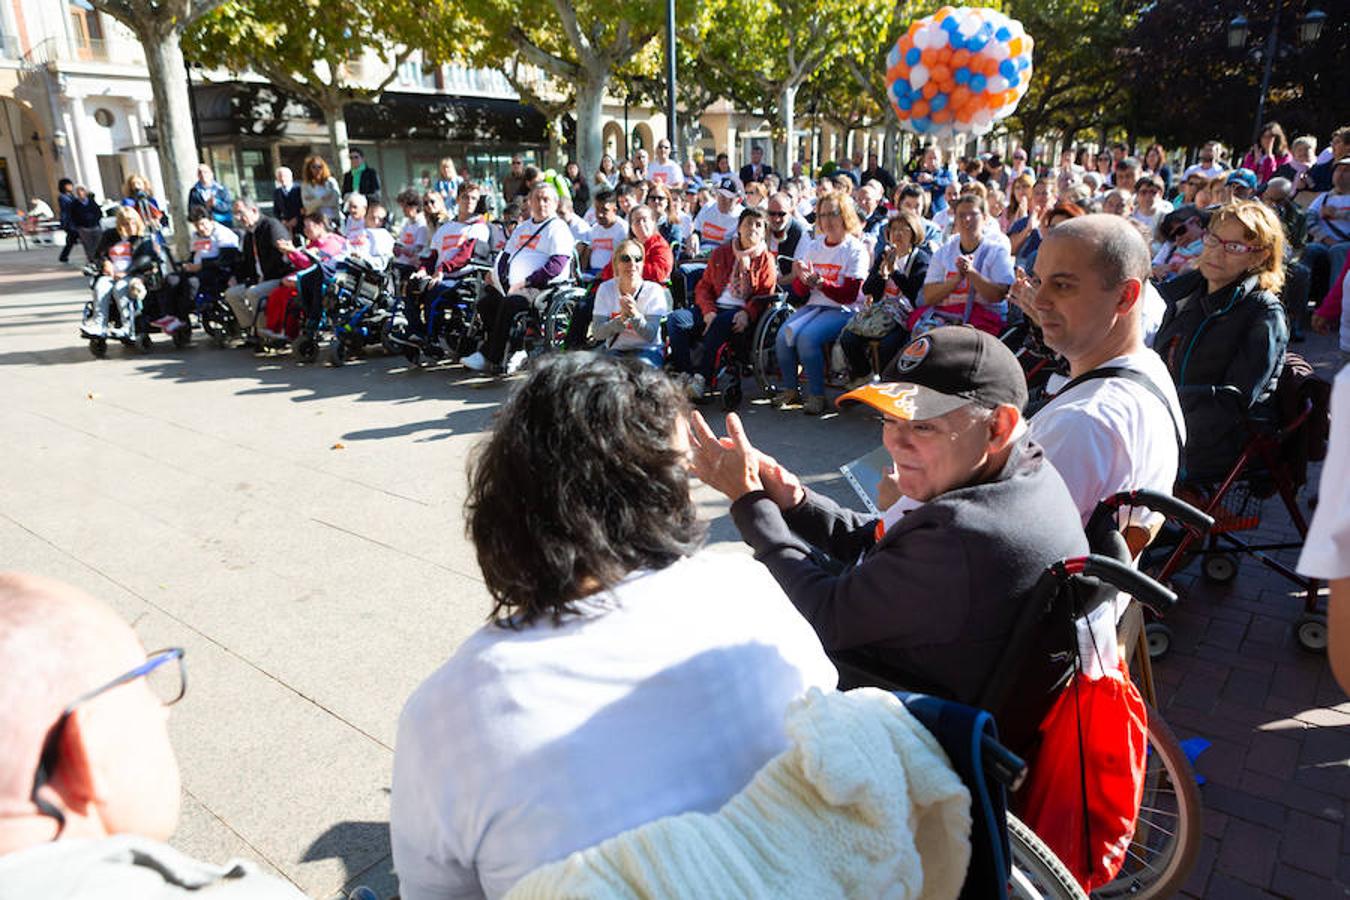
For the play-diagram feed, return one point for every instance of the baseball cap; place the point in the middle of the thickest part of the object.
(943, 370)
(730, 185)
(1244, 177)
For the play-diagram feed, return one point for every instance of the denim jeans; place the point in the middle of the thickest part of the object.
(684, 325)
(107, 291)
(650, 355)
(803, 338)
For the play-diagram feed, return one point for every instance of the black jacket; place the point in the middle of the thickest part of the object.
(66, 202)
(87, 214)
(791, 240)
(287, 204)
(260, 251)
(938, 594)
(908, 280)
(145, 254)
(370, 183)
(1236, 336)
(748, 173)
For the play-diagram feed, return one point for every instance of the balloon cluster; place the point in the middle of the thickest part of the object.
(958, 71)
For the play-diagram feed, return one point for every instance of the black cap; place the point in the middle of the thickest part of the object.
(943, 370)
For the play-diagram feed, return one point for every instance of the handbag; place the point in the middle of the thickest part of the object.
(873, 322)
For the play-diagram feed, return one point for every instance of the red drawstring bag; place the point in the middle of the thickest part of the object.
(283, 318)
(1085, 786)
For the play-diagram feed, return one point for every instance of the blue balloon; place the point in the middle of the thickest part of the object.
(1003, 35)
(1023, 63)
(978, 83)
(938, 102)
(1013, 81)
(906, 103)
(950, 24)
(962, 76)
(913, 56)
(1007, 68)
(920, 125)
(976, 44)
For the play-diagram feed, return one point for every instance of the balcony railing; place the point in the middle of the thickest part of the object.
(66, 50)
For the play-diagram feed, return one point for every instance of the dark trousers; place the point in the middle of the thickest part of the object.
(1294, 295)
(72, 238)
(420, 309)
(309, 285)
(686, 325)
(580, 326)
(498, 312)
(858, 350)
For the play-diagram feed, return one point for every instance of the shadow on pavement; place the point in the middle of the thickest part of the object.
(363, 849)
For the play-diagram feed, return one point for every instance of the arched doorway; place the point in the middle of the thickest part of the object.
(612, 139)
(642, 138)
(27, 149)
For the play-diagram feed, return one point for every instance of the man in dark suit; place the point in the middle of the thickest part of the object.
(286, 203)
(66, 199)
(756, 170)
(361, 178)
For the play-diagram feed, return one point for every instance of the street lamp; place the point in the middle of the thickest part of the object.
(1239, 29)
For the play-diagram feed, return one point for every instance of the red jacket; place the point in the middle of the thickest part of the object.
(657, 262)
(763, 279)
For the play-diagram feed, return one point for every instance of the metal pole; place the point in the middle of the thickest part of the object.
(626, 149)
(1272, 47)
(670, 78)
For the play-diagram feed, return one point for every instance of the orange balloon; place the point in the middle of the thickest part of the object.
(904, 44)
(960, 58)
(930, 89)
(913, 29)
(1015, 47)
(940, 73)
(945, 55)
(930, 57)
(919, 109)
(942, 115)
(961, 97)
(941, 14)
(990, 66)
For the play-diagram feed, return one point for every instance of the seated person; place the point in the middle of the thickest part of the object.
(630, 309)
(717, 222)
(538, 253)
(314, 265)
(624, 674)
(449, 252)
(969, 277)
(931, 589)
(729, 299)
(1225, 327)
(1328, 219)
(215, 254)
(596, 248)
(786, 233)
(88, 780)
(412, 239)
(263, 264)
(828, 274)
(894, 285)
(657, 263)
(123, 252)
(1182, 232)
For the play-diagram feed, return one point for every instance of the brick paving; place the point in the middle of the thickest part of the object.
(1277, 773)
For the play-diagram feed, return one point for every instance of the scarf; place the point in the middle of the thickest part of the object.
(740, 284)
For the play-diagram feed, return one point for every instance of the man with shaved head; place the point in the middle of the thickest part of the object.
(88, 781)
(1116, 424)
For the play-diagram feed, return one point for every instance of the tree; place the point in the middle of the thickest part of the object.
(313, 49)
(764, 51)
(160, 25)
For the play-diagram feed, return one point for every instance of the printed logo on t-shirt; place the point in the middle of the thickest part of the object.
(409, 237)
(829, 273)
(892, 290)
(526, 241)
(604, 243)
(450, 242)
(119, 255)
(713, 231)
(201, 245)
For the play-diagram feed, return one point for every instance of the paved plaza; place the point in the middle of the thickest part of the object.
(299, 531)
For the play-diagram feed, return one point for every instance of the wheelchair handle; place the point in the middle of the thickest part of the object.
(1121, 577)
(1006, 767)
(1158, 502)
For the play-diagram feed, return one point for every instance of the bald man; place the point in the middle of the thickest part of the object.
(1116, 424)
(88, 781)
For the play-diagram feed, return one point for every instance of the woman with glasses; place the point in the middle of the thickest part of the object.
(1225, 328)
(319, 189)
(623, 675)
(661, 199)
(629, 310)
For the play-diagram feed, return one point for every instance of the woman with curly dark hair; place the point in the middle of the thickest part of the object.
(622, 676)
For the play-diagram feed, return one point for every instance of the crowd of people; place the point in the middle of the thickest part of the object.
(618, 652)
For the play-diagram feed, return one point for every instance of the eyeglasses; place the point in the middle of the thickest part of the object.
(831, 214)
(1178, 231)
(629, 258)
(167, 683)
(1236, 248)
(776, 215)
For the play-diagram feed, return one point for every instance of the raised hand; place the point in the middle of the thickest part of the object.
(729, 465)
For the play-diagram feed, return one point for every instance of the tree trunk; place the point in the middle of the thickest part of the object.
(590, 113)
(890, 157)
(787, 105)
(173, 114)
(335, 116)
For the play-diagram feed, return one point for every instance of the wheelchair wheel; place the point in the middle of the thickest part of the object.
(338, 351)
(387, 337)
(306, 349)
(1311, 631)
(1167, 838)
(763, 355)
(1219, 568)
(558, 318)
(1036, 872)
(1159, 638)
(98, 347)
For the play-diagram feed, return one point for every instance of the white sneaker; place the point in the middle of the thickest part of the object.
(476, 361)
(517, 360)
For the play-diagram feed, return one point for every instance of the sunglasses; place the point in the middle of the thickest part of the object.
(1178, 232)
(629, 258)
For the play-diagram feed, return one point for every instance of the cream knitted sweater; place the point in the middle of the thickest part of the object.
(863, 803)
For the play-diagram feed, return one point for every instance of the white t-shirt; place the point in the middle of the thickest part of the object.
(714, 226)
(1109, 434)
(450, 237)
(1151, 311)
(381, 246)
(531, 245)
(579, 228)
(209, 247)
(412, 240)
(992, 260)
(1338, 227)
(668, 173)
(358, 237)
(602, 242)
(847, 259)
(1326, 552)
(1213, 170)
(652, 299)
(1161, 208)
(528, 745)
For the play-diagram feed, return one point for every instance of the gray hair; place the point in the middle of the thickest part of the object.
(1118, 250)
(358, 198)
(1128, 162)
(1093, 180)
(1283, 187)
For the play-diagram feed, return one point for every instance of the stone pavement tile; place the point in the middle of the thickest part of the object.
(1243, 806)
(1294, 683)
(1268, 630)
(202, 834)
(1299, 885)
(1248, 853)
(1272, 754)
(1204, 866)
(1294, 796)
(1189, 722)
(1223, 886)
(1311, 844)
(1199, 691)
(1215, 823)
(1324, 717)
(1224, 660)
(1225, 633)
(1222, 762)
(1246, 687)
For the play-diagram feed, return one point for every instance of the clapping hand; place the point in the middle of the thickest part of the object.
(628, 306)
(729, 465)
(963, 265)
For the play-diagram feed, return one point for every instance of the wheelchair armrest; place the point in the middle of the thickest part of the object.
(1123, 578)
(1169, 506)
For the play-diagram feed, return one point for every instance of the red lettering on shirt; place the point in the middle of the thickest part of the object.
(714, 232)
(526, 241)
(201, 245)
(604, 243)
(829, 273)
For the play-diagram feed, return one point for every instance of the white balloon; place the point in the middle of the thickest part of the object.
(997, 50)
(997, 84)
(983, 118)
(918, 76)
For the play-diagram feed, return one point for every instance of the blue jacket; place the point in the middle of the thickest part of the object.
(1234, 337)
(220, 205)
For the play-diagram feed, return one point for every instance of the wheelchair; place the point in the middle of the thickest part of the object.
(764, 354)
(1234, 502)
(150, 292)
(542, 326)
(214, 316)
(360, 305)
(1019, 695)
